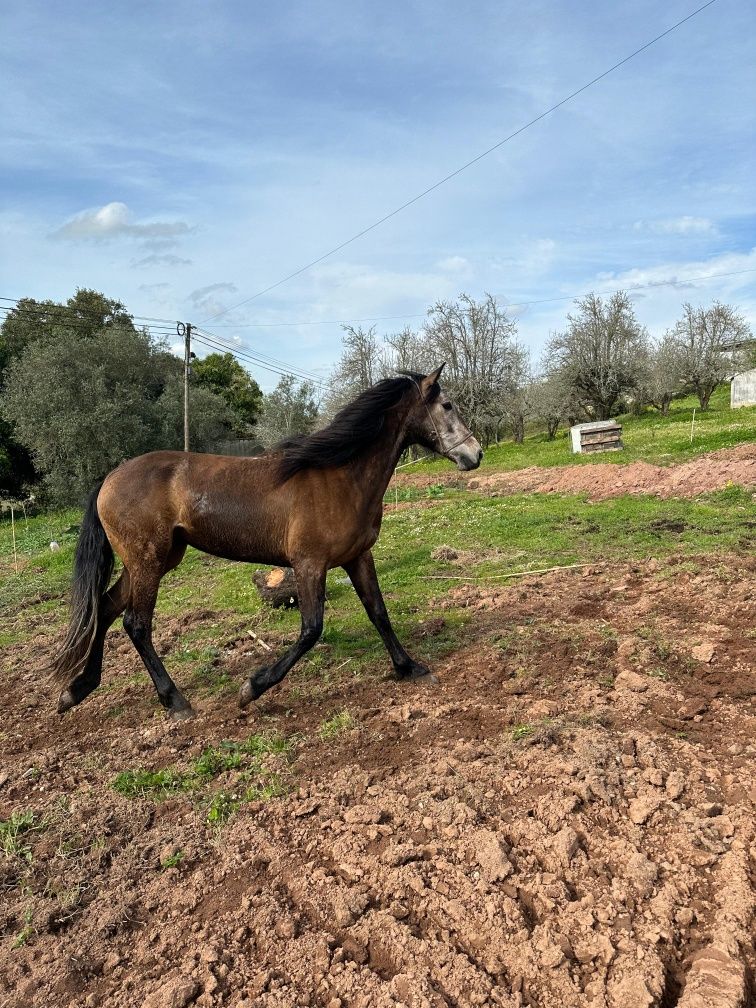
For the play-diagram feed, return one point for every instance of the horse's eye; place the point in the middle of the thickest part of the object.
(447, 405)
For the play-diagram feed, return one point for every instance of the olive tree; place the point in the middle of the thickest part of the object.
(476, 340)
(290, 409)
(601, 355)
(709, 342)
(83, 404)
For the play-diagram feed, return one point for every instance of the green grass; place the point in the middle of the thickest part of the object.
(501, 535)
(650, 437)
(336, 725)
(12, 834)
(252, 781)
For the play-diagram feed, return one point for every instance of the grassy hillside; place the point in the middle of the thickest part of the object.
(651, 437)
(495, 536)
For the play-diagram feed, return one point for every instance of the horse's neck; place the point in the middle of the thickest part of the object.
(373, 469)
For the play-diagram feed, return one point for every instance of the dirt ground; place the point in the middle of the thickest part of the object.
(606, 479)
(564, 821)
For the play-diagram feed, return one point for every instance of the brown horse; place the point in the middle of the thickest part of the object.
(313, 503)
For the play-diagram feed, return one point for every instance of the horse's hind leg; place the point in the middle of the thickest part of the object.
(137, 622)
(112, 604)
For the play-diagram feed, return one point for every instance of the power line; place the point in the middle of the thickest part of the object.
(52, 306)
(247, 358)
(464, 167)
(675, 282)
(210, 344)
(81, 326)
(259, 356)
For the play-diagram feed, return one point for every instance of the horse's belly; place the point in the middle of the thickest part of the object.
(235, 537)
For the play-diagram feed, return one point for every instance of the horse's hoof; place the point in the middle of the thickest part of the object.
(65, 701)
(418, 671)
(182, 714)
(246, 695)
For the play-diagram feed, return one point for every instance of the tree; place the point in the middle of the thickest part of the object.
(86, 313)
(515, 401)
(290, 409)
(476, 341)
(361, 365)
(29, 321)
(408, 351)
(710, 343)
(225, 376)
(210, 417)
(602, 353)
(665, 374)
(82, 405)
(553, 402)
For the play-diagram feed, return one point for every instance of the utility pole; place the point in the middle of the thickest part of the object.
(185, 329)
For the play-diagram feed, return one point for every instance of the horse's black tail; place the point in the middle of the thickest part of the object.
(93, 568)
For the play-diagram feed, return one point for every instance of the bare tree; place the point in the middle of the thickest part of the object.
(553, 402)
(408, 351)
(602, 353)
(710, 343)
(476, 340)
(664, 374)
(361, 365)
(515, 400)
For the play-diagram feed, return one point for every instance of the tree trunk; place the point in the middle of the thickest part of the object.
(552, 426)
(277, 587)
(518, 430)
(704, 393)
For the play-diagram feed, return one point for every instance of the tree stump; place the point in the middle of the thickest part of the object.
(277, 587)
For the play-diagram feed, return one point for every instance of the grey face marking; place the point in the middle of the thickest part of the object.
(450, 436)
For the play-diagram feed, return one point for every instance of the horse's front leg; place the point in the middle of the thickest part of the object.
(365, 580)
(311, 591)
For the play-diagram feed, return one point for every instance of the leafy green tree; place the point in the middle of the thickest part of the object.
(210, 417)
(224, 375)
(602, 355)
(291, 408)
(82, 405)
(86, 313)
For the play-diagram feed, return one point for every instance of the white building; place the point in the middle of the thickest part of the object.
(743, 389)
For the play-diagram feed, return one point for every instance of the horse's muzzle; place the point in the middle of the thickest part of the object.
(467, 456)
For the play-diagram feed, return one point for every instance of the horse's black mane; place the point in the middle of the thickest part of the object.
(353, 428)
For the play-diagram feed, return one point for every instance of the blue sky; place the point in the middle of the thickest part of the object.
(182, 156)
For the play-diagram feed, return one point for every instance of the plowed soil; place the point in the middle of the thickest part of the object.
(564, 821)
(601, 480)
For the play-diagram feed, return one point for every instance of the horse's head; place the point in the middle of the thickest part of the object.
(436, 424)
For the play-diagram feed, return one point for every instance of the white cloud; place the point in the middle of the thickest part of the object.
(114, 220)
(742, 266)
(685, 225)
(201, 295)
(160, 260)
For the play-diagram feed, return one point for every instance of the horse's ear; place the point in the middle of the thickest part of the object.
(430, 380)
